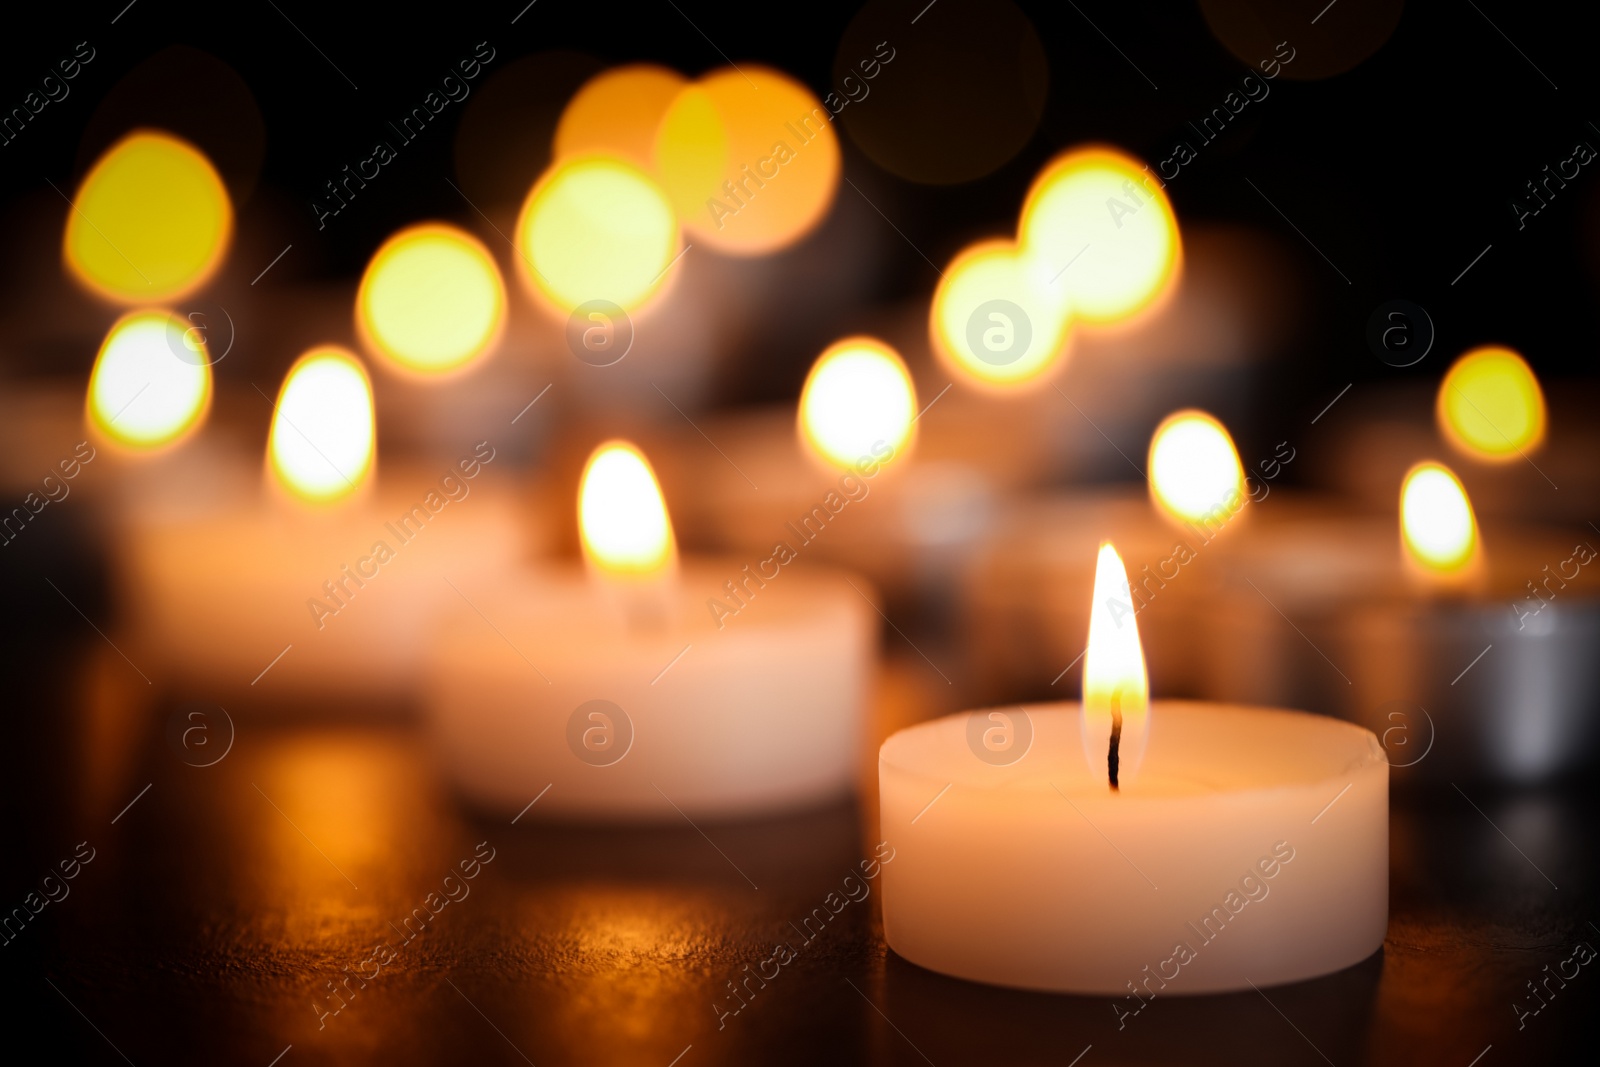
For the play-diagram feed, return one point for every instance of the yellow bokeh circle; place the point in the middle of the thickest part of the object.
(1490, 405)
(749, 158)
(596, 228)
(432, 300)
(990, 323)
(150, 222)
(1195, 473)
(1100, 234)
(617, 112)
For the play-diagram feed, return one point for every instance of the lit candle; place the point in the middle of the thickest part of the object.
(1236, 846)
(1024, 597)
(1468, 648)
(1512, 445)
(320, 578)
(648, 687)
(848, 471)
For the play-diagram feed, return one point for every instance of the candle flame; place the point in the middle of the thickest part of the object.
(151, 220)
(323, 443)
(857, 395)
(1490, 405)
(1437, 527)
(622, 517)
(1101, 205)
(431, 301)
(1116, 688)
(151, 383)
(1195, 473)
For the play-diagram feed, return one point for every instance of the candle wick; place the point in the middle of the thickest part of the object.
(1112, 757)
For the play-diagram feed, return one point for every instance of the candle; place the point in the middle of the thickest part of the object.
(1032, 575)
(321, 579)
(1467, 649)
(651, 687)
(850, 473)
(1514, 445)
(1238, 846)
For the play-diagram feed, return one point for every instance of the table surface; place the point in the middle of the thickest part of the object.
(223, 904)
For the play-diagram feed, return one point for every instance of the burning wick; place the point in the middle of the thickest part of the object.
(1112, 758)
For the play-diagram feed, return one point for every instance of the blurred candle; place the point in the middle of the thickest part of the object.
(320, 579)
(1468, 646)
(1026, 627)
(845, 473)
(649, 687)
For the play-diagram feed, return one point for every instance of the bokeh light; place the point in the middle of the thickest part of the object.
(858, 394)
(323, 441)
(1490, 405)
(596, 228)
(990, 323)
(617, 113)
(1100, 234)
(431, 300)
(1437, 527)
(749, 158)
(150, 222)
(622, 517)
(1195, 473)
(151, 383)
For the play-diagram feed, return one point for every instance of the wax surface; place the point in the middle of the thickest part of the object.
(1035, 875)
(214, 593)
(720, 717)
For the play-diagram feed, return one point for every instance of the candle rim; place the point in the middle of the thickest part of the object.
(891, 754)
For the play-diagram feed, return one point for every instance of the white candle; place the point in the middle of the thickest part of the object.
(1241, 846)
(263, 590)
(629, 698)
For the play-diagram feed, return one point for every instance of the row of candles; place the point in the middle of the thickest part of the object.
(653, 683)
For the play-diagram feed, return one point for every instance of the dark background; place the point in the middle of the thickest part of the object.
(1401, 170)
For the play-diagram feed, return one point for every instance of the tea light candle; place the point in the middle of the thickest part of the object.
(1019, 863)
(849, 471)
(1471, 648)
(629, 696)
(1030, 578)
(320, 580)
